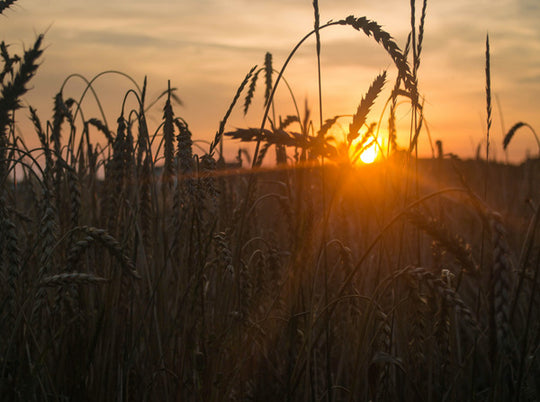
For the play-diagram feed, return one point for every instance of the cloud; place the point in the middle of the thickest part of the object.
(116, 39)
(360, 52)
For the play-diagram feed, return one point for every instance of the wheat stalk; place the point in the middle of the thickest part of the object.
(510, 134)
(61, 112)
(392, 132)
(420, 36)
(451, 242)
(501, 283)
(245, 292)
(219, 133)
(267, 77)
(5, 4)
(448, 294)
(11, 92)
(365, 105)
(184, 152)
(146, 207)
(101, 126)
(115, 174)
(251, 91)
(74, 188)
(382, 349)
(47, 233)
(9, 61)
(416, 338)
(11, 264)
(386, 40)
(442, 333)
(72, 278)
(488, 95)
(104, 238)
(168, 138)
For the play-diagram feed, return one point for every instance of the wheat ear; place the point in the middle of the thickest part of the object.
(72, 278)
(501, 281)
(5, 4)
(365, 105)
(219, 134)
(510, 134)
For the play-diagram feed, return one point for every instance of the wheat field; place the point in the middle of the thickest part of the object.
(139, 267)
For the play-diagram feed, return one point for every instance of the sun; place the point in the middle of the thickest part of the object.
(369, 155)
(364, 151)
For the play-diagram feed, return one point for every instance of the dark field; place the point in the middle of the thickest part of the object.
(185, 291)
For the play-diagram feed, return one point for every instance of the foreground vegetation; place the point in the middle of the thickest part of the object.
(140, 270)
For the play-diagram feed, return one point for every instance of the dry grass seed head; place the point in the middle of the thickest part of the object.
(11, 92)
(168, 138)
(502, 280)
(9, 251)
(441, 288)
(420, 36)
(184, 152)
(386, 40)
(71, 278)
(510, 134)
(251, 91)
(103, 128)
(109, 242)
(267, 77)
(364, 107)
(224, 253)
(219, 134)
(452, 243)
(5, 4)
(246, 291)
(47, 233)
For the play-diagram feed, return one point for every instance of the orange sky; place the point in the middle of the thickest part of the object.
(205, 47)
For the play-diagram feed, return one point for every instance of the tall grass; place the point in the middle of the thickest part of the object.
(136, 268)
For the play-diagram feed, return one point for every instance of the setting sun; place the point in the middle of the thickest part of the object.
(369, 155)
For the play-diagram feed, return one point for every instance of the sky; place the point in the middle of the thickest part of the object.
(206, 47)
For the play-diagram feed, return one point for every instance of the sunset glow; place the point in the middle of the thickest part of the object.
(277, 200)
(206, 48)
(369, 155)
